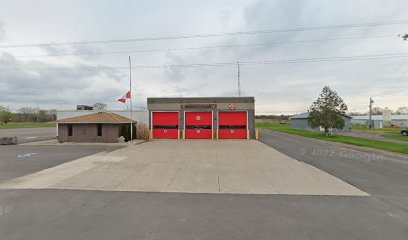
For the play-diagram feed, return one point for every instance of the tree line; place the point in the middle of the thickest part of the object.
(379, 111)
(27, 114)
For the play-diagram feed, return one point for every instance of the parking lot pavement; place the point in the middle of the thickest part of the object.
(245, 167)
(20, 160)
(25, 135)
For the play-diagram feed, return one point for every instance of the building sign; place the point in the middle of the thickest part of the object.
(232, 106)
(199, 106)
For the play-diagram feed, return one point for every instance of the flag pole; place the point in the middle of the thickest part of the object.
(131, 115)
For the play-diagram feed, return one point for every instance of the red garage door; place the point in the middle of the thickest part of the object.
(232, 125)
(198, 125)
(165, 125)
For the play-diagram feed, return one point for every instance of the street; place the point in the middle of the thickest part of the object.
(383, 176)
(101, 215)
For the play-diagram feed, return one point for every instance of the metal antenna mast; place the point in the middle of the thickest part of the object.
(130, 90)
(239, 81)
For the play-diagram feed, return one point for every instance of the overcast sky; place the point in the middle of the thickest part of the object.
(278, 88)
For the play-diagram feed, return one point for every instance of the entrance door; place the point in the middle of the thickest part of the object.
(165, 125)
(232, 125)
(198, 125)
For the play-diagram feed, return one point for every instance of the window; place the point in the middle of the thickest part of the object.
(165, 126)
(99, 129)
(70, 130)
(232, 127)
(198, 127)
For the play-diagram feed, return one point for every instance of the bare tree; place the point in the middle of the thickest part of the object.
(402, 110)
(27, 113)
(100, 106)
(377, 111)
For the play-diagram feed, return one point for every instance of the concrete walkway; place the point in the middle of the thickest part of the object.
(195, 166)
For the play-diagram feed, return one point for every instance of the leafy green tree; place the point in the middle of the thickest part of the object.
(327, 111)
(5, 115)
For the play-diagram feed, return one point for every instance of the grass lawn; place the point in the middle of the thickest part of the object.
(25, 125)
(392, 147)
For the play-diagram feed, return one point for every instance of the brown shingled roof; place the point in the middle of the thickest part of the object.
(101, 117)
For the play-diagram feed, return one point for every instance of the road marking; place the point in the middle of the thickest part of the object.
(26, 155)
(31, 137)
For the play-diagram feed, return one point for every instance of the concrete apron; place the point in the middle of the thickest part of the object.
(190, 166)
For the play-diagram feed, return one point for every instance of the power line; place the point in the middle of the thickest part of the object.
(208, 35)
(221, 64)
(203, 47)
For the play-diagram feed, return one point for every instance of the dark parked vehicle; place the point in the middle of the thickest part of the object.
(404, 132)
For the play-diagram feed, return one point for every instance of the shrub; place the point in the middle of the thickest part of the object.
(143, 132)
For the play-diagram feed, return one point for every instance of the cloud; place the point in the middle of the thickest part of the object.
(2, 31)
(278, 88)
(292, 87)
(56, 87)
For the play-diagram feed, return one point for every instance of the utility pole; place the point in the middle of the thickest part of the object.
(370, 113)
(239, 80)
(38, 119)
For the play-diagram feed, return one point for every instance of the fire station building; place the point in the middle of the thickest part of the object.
(202, 118)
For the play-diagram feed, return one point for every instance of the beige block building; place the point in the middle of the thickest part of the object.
(97, 127)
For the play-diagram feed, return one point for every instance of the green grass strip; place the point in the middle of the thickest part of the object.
(12, 125)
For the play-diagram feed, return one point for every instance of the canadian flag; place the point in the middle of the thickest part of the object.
(124, 97)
